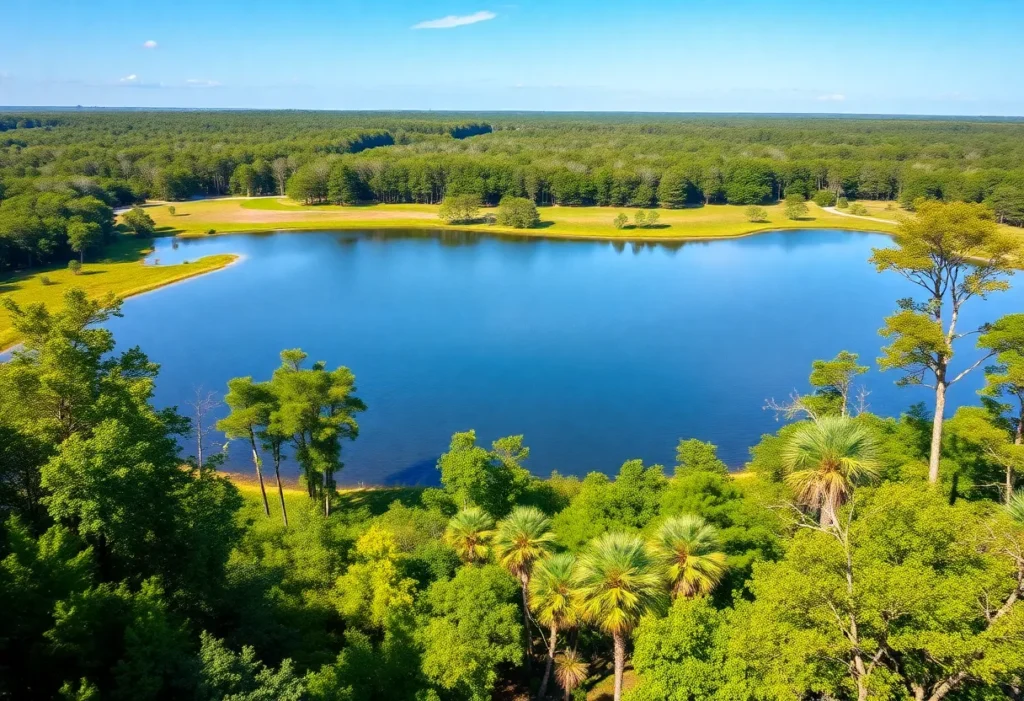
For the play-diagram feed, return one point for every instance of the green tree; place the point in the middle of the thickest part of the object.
(910, 597)
(618, 582)
(693, 455)
(518, 212)
(469, 533)
(681, 657)
(229, 676)
(690, 552)
(520, 540)
(471, 628)
(620, 220)
(553, 599)
(1005, 379)
(833, 383)
(139, 222)
(82, 236)
(317, 409)
(251, 404)
(492, 479)
(756, 214)
(954, 253)
(459, 209)
(373, 588)
(796, 207)
(825, 459)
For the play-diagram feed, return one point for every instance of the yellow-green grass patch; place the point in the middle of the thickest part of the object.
(273, 214)
(120, 271)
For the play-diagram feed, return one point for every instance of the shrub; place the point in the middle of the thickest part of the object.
(620, 220)
(796, 208)
(842, 203)
(518, 212)
(75, 266)
(652, 219)
(211, 232)
(640, 219)
(858, 209)
(171, 210)
(459, 209)
(824, 198)
(756, 214)
(45, 281)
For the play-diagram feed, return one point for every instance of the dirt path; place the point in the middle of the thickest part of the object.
(834, 210)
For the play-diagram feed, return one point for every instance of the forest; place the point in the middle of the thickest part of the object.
(855, 556)
(62, 173)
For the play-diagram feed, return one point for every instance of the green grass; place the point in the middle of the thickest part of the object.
(120, 271)
(273, 214)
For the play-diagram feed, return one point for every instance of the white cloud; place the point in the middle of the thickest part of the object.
(455, 20)
(129, 79)
(832, 97)
(197, 83)
(150, 44)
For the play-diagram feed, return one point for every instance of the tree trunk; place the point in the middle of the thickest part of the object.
(327, 494)
(525, 579)
(936, 448)
(542, 692)
(280, 489)
(259, 472)
(620, 663)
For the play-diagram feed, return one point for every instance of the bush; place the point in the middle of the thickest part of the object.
(75, 266)
(518, 212)
(858, 209)
(796, 210)
(640, 219)
(45, 281)
(652, 219)
(211, 232)
(824, 198)
(756, 214)
(842, 203)
(646, 220)
(171, 210)
(459, 209)
(620, 220)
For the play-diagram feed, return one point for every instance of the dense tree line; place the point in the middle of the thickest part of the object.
(642, 161)
(857, 557)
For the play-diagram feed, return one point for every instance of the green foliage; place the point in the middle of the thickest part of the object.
(681, 657)
(229, 676)
(518, 212)
(629, 502)
(74, 266)
(459, 209)
(693, 455)
(470, 627)
(858, 209)
(924, 582)
(842, 203)
(492, 479)
(756, 214)
(825, 198)
(796, 208)
(139, 222)
(620, 221)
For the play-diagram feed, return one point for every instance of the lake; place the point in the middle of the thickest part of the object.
(598, 353)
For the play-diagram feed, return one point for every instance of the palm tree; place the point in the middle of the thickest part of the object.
(522, 538)
(570, 671)
(553, 601)
(1015, 507)
(469, 532)
(689, 548)
(825, 459)
(618, 581)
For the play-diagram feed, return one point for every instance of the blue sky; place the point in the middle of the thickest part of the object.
(899, 56)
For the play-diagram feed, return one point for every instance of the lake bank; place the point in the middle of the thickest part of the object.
(122, 272)
(259, 214)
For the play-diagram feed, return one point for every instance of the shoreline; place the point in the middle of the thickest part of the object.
(145, 289)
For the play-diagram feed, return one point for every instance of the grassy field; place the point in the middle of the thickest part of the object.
(120, 271)
(273, 214)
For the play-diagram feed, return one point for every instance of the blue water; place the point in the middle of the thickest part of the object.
(597, 353)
